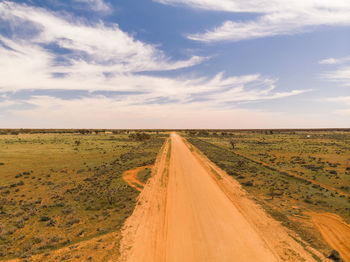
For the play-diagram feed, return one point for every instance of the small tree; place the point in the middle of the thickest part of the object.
(110, 195)
(232, 144)
(272, 192)
(275, 190)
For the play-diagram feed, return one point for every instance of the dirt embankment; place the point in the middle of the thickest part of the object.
(202, 214)
(335, 231)
(141, 237)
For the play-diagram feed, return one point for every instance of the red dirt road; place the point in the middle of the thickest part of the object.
(194, 216)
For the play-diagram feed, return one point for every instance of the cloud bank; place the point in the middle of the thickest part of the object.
(275, 17)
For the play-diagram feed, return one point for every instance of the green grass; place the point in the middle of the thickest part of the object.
(58, 189)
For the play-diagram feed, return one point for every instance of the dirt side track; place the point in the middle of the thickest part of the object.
(131, 178)
(200, 216)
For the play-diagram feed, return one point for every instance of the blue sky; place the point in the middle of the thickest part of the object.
(175, 64)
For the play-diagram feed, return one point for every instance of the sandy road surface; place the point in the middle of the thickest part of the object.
(197, 217)
(335, 231)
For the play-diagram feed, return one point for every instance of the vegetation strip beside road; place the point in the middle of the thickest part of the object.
(284, 172)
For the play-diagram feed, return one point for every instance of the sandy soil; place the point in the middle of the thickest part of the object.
(335, 231)
(202, 215)
(131, 178)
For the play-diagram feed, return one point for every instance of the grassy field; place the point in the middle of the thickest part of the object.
(264, 163)
(58, 189)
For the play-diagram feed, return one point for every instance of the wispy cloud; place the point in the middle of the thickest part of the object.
(96, 5)
(96, 46)
(335, 61)
(61, 52)
(341, 74)
(83, 61)
(276, 17)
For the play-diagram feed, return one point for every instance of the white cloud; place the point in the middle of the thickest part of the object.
(334, 61)
(276, 17)
(96, 5)
(102, 46)
(340, 75)
(104, 58)
(345, 100)
(92, 64)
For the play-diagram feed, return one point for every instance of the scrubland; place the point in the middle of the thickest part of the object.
(66, 194)
(58, 189)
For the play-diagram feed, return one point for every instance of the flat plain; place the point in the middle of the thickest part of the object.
(61, 189)
(196, 195)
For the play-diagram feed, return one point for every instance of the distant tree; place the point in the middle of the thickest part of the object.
(83, 131)
(193, 133)
(140, 136)
(203, 133)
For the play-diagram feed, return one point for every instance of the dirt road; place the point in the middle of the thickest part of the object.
(198, 216)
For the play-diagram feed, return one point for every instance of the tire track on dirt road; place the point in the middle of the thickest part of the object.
(193, 217)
